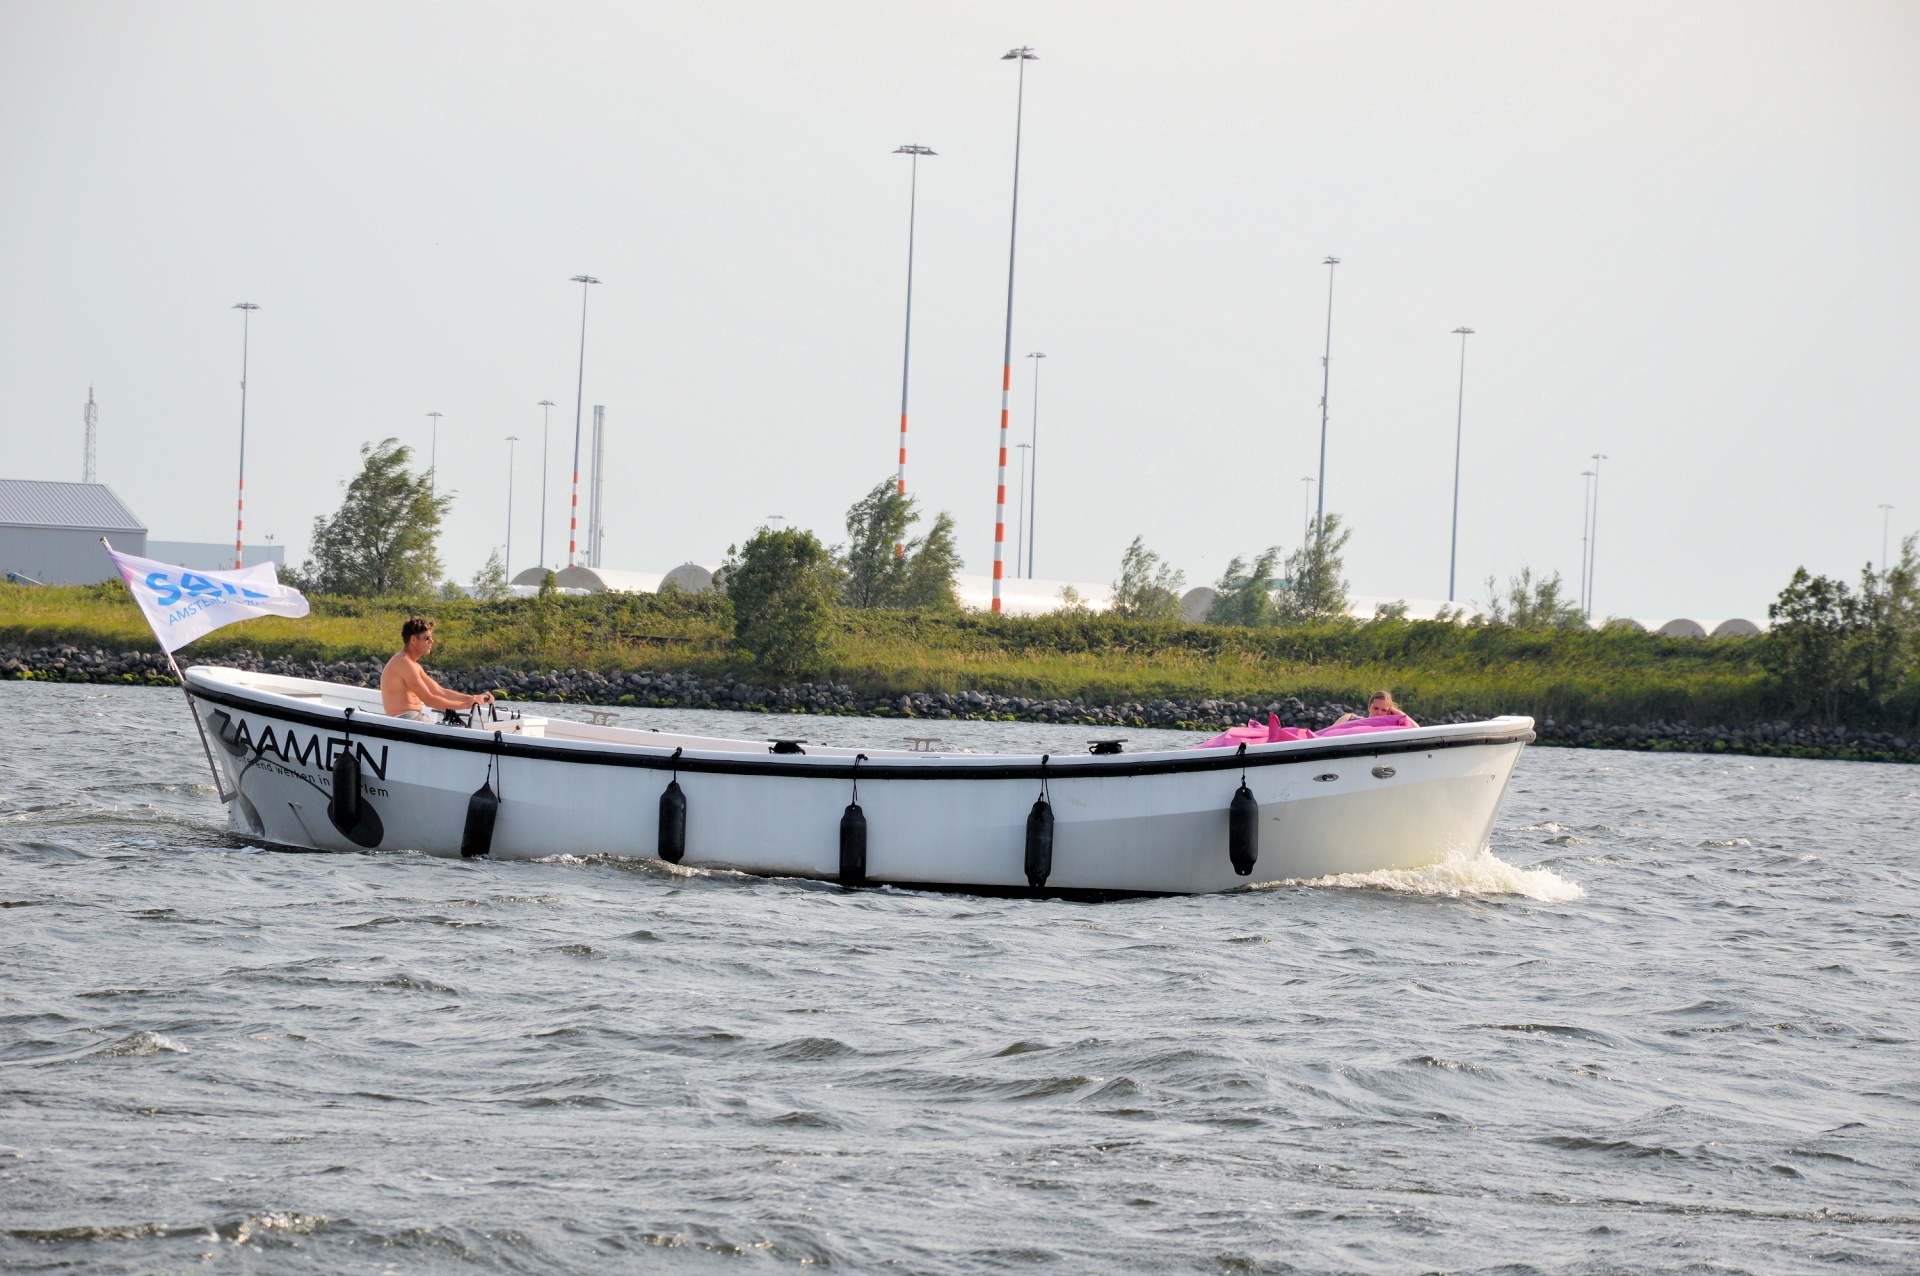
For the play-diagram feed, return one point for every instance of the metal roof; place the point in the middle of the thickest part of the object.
(84, 506)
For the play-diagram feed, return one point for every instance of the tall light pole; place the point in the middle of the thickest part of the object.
(1593, 542)
(1459, 421)
(1326, 383)
(1021, 56)
(1886, 526)
(1020, 518)
(1306, 508)
(511, 440)
(1033, 504)
(579, 391)
(246, 309)
(433, 455)
(906, 345)
(545, 405)
(1586, 513)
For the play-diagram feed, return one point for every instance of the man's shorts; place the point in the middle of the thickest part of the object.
(418, 715)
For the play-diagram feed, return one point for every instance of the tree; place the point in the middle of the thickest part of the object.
(783, 585)
(1889, 644)
(1834, 651)
(546, 610)
(876, 525)
(1531, 604)
(490, 582)
(932, 562)
(1246, 592)
(1807, 650)
(381, 540)
(884, 568)
(1148, 589)
(1315, 588)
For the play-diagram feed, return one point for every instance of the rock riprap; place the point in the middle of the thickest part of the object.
(691, 691)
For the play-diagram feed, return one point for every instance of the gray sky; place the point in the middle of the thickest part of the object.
(1687, 234)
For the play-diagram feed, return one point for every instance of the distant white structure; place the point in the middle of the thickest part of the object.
(88, 471)
(691, 577)
(1027, 597)
(1682, 627)
(1198, 601)
(1367, 606)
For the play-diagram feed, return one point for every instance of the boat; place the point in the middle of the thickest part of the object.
(318, 766)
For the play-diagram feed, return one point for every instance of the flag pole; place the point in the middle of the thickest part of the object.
(219, 783)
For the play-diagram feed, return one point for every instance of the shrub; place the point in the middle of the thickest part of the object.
(782, 585)
(1148, 589)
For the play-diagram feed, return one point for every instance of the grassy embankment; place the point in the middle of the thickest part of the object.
(1609, 677)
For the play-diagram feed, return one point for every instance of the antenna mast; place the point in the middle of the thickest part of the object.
(88, 472)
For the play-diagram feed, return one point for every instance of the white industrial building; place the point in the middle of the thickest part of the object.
(50, 532)
(213, 556)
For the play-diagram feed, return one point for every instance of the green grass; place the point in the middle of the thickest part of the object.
(1609, 676)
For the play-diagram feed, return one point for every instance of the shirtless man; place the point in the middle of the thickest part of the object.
(407, 690)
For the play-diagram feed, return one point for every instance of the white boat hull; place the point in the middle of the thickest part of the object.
(1134, 823)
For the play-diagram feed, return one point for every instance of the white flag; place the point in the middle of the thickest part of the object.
(182, 605)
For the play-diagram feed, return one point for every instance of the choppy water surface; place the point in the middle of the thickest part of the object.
(1669, 1026)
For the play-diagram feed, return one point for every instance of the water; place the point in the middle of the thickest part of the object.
(1668, 1025)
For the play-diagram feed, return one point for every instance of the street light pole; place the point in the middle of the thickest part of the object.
(1586, 513)
(246, 309)
(1326, 383)
(1022, 56)
(433, 456)
(1593, 544)
(1459, 421)
(1033, 505)
(1886, 525)
(579, 391)
(1306, 509)
(545, 405)
(511, 440)
(906, 351)
(1020, 518)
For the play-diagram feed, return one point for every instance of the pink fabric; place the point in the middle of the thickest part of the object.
(1232, 737)
(1254, 733)
(1379, 722)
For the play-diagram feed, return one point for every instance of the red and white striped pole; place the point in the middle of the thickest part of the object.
(906, 356)
(573, 524)
(1022, 55)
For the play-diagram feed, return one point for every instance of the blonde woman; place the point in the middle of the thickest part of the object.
(1379, 705)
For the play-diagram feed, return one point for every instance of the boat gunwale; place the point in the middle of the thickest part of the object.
(947, 767)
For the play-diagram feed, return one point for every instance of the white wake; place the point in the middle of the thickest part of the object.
(1482, 873)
